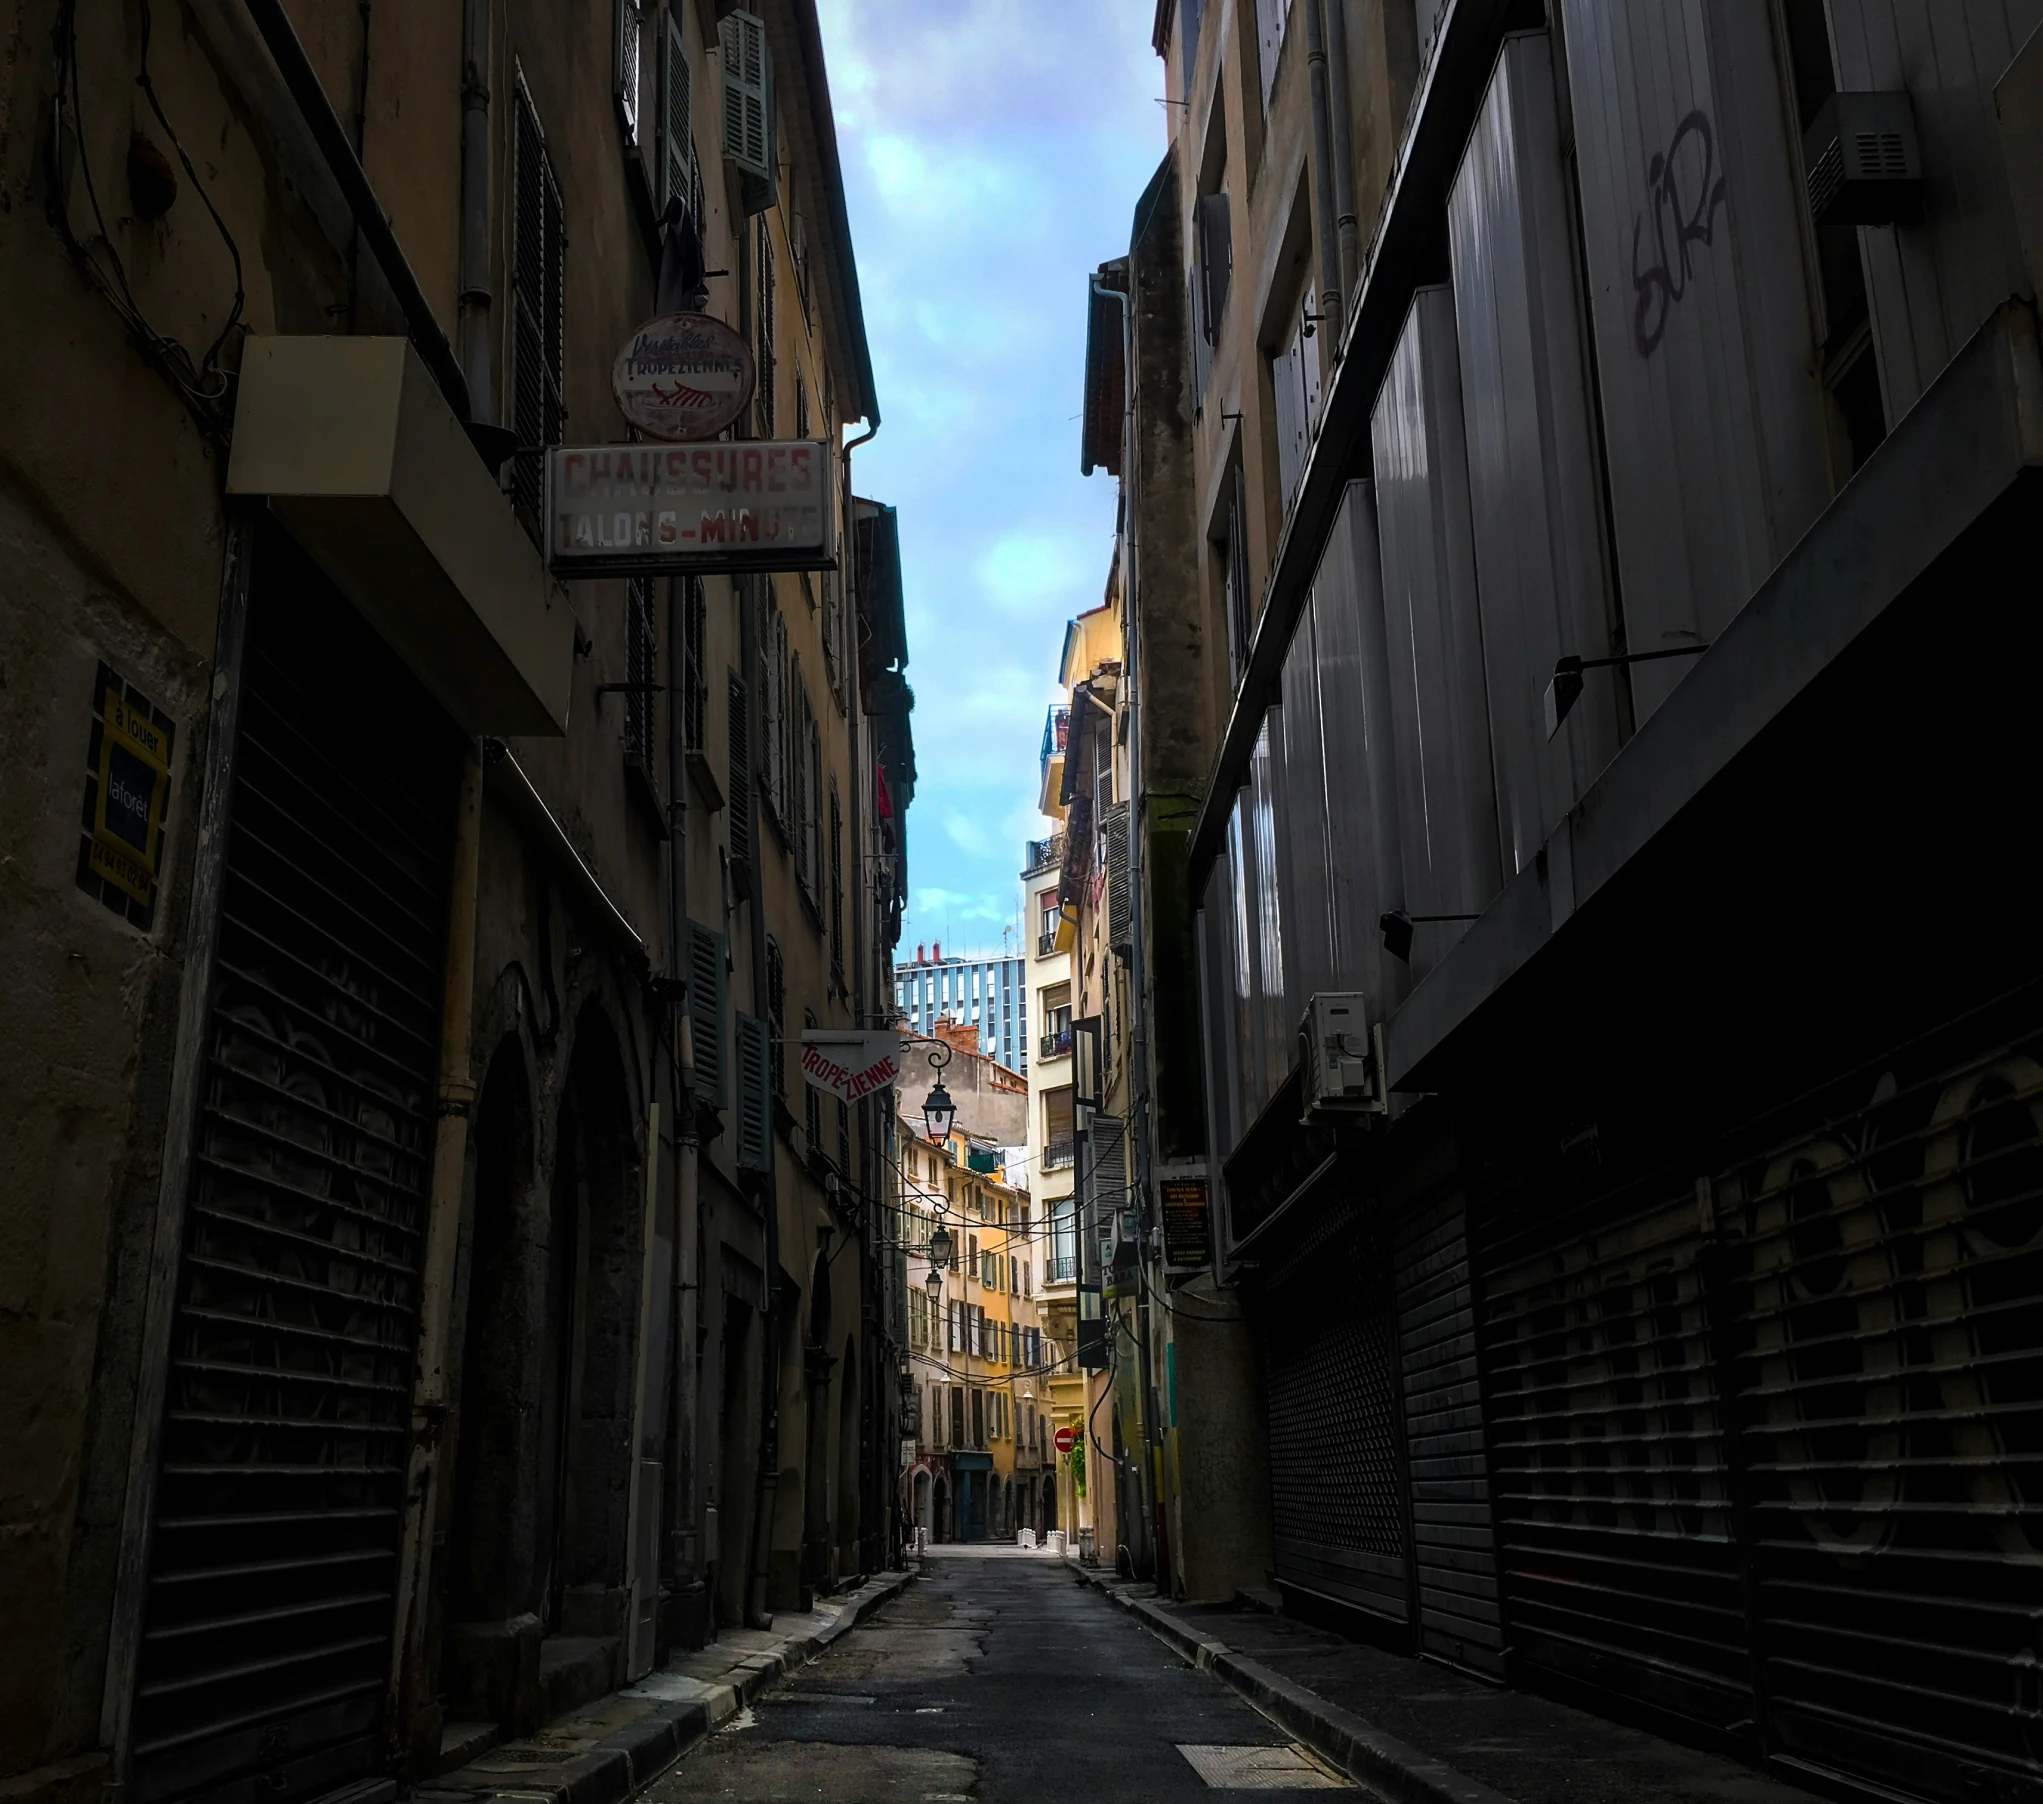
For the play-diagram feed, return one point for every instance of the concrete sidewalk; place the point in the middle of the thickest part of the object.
(1421, 1733)
(608, 1750)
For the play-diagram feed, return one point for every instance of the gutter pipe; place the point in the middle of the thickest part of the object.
(1330, 290)
(371, 221)
(1345, 224)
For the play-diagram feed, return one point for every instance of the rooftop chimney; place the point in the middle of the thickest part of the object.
(939, 951)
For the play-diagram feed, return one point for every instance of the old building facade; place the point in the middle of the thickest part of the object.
(432, 1291)
(1554, 566)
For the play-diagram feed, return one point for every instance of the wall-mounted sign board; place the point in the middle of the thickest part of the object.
(691, 510)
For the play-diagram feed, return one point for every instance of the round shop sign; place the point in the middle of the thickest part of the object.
(1067, 1438)
(683, 376)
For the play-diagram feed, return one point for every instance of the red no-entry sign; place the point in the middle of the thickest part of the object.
(1067, 1438)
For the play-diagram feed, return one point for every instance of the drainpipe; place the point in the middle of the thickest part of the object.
(1343, 146)
(757, 1614)
(1322, 173)
(474, 325)
(684, 1504)
(454, 1100)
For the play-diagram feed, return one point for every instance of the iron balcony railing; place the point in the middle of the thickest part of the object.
(1062, 1269)
(1055, 729)
(1057, 1045)
(1043, 854)
(1061, 1152)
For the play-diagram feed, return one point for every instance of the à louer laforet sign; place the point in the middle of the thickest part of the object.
(678, 510)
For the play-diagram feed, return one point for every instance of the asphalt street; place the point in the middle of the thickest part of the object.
(997, 1676)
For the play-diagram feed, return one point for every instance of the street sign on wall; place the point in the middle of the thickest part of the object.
(679, 510)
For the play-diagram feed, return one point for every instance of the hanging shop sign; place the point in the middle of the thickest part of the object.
(1187, 1220)
(683, 376)
(850, 1063)
(671, 510)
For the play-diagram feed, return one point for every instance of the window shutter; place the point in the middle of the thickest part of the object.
(706, 962)
(755, 1103)
(677, 135)
(740, 774)
(748, 105)
(695, 698)
(639, 651)
(1120, 891)
(538, 248)
(628, 27)
(1216, 256)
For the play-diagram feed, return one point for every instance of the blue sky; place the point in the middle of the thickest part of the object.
(993, 152)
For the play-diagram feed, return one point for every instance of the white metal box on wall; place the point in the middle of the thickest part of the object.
(1932, 282)
(1532, 457)
(1692, 224)
(1446, 804)
(1352, 667)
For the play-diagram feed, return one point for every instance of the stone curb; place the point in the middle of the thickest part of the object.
(628, 1759)
(1395, 1768)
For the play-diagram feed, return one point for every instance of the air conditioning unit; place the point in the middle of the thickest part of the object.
(1863, 160)
(1343, 1064)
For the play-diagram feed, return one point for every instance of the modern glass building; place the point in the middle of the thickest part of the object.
(990, 994)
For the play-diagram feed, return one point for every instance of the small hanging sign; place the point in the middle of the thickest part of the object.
(849, 1063)
(683, 376)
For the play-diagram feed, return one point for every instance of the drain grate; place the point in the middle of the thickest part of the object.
(1261, 1769)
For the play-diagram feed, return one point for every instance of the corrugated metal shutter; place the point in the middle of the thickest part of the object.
(1885, 1301)
(1425, 538)
(1451, 1538)
(1620, 1561)
(1337, 1471)
(267, 1626)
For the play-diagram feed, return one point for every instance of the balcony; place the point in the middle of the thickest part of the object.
(1057, 1045)
(1043, 854)
(1062, 1269)
(1061, 1153)
(1056, 729)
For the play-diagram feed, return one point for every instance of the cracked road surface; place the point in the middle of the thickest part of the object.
(996, 1676)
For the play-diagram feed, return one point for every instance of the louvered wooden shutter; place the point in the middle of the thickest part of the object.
(1120, 888)
(1216, 258)
(677, 137)
(695, 700)
(706, 962)
(740, 773)
(627, 84)
(748, 105)
(639, 653)
(755, 1102)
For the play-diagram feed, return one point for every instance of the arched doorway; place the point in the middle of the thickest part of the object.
(940, 1512)
(587, 1348)
(1049, 1503)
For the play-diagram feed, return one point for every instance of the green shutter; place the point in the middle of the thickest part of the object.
(677, 141)
(748, 105)
(706, 961)
(755, 1095)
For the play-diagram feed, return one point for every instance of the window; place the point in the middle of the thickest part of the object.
(738, 818)
(1059, 1126)
(639, 659)
(843, 1135)
(773, 660)
(694, 677)
(836, 883)
(1190, 13)
(812, 1100)
(538, 345)
(801, 385)
(957, 1415)
(1234, 579)
(1210, 278)
(1271, 17)
(978, 1418)
(776, 1018)
(763, 292)
(1294, 382)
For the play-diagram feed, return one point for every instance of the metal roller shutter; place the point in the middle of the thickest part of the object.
(267, 1626)
(1618, 1547)
(1451, 1539)
(1336, 1475)
(1886, 1307)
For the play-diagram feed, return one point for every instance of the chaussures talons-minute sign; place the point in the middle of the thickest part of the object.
(685, 507)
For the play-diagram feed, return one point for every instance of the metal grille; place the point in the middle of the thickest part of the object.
(1335, 1470)
(1620, 1566)
(1886, 1305)
(266, 1643)
(1451, 1535)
